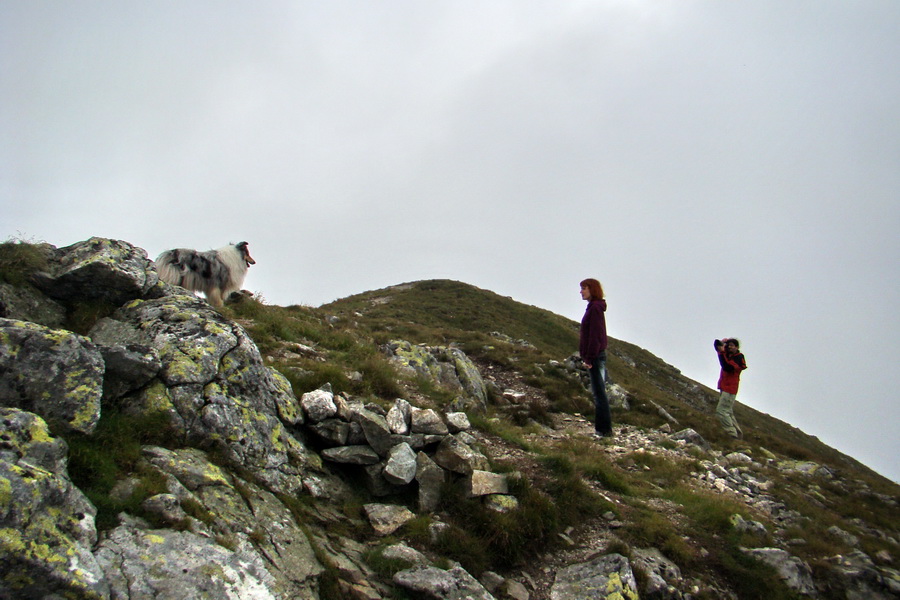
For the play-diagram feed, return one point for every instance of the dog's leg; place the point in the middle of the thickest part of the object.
(214, 296)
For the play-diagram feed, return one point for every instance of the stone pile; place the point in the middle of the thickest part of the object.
(403, 446)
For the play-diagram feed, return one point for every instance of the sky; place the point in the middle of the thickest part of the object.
(724, 168)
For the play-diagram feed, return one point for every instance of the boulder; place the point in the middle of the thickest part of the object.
(455, 456)
(239, 512)
(51, 372)
(430, 478)
(215, 388)
(448, 367)
(458, 421)
(856, 577)
(400, 468)
(319, 404)
(375, 429)
(428, 422)
(795, 573)
(748, 526)
(404, 553)
(399, 417)
(661, 574)
(352, 455)
(387, 518)
(483, 483)
(689, 436)
(27, 304)
(332, 432)
(98, 269)
(46, 523)
(438, 584)
(601, 577)
(165, 564)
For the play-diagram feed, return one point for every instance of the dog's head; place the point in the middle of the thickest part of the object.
(245, 253)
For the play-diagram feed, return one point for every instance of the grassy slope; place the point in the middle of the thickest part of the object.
(443, 311)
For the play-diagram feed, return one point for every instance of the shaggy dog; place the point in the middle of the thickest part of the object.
(216, 273)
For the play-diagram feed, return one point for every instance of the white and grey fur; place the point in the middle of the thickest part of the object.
(216, 273)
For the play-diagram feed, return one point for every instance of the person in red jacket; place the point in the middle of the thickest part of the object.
(732, 363)
(592, 349)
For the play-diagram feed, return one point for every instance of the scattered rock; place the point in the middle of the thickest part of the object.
(387, 518)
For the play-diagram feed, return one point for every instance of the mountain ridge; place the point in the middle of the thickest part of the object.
(426, 294)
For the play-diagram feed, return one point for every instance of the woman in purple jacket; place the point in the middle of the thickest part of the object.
(592, 348)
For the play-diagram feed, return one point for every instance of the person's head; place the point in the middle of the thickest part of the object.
(732, 344)
(591, 289)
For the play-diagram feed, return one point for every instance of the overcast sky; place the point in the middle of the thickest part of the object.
(723, 168)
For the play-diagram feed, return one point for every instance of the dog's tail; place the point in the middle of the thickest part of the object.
(169, 269)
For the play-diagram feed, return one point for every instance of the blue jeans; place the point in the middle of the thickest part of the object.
(602, 416)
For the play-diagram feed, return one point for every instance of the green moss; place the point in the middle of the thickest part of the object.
(616, 589)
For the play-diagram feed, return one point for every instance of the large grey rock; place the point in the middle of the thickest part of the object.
(404, 553)
(458, 421)
(430, 478)
(748, 526)
(46, 523)
(690, 436)
(795, 573)
(856, 577)
(400, 468)
(387, 518)
(662, 575)
(447, 367)
(332, 432)
(483, 483)
(601, 577)
(352, 455)
(438, 584)
(428, 421)
(215, 388)
(398, 417)
(54, 373)
(242, 511)
(455, 456)
(376, 483)
(844, 536)
(164, 564)
(101, 269)
(376, 430)
(27, 304)
(128, 369)
(319, 404)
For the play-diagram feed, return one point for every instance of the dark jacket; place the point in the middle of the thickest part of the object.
(730, 376)
(593, 330)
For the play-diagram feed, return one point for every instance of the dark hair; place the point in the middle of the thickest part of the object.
(736, 341)
(594, 288)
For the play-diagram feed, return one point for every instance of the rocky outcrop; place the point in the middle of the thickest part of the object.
(211, 383)
(448, 367)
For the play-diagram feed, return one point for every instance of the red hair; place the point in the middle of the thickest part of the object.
(594, 288)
